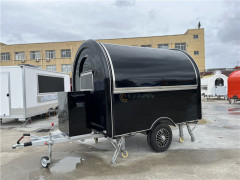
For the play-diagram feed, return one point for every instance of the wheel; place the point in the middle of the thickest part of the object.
(45, 161)
(96, 140)
(161, 138)
(124, 154)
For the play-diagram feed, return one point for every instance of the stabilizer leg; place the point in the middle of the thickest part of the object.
(181, 136)
(190, 131)
(119, 145)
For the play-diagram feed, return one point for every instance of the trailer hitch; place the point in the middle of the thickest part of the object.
(18, 145)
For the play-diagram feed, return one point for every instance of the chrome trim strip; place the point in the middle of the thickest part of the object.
(131, 133)
(111, 65)
(153, 89)
(160, 120)
(109, 62)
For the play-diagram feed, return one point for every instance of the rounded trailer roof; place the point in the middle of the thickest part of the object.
(211, 79)
(148, 67)
(235, 74)
(135, 67)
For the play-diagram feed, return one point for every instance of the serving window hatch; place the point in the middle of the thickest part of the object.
(50, 84)
(86, 81)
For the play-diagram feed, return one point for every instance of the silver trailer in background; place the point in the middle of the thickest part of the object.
(29, 91)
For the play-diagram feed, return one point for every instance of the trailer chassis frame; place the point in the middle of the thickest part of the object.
(56, 138)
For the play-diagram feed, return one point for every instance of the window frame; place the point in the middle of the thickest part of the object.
(50, 76)
(196, 53)
(68, 65)
(85, 74)
(195, 36)
(182, 44)
(163, 45)
(66, 52)
(51, 66)
(34, 53)
(6, 54)
(47, 52)
(21, 54)
(146, 45)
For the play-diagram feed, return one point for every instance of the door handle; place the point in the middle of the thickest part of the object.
(7, 94)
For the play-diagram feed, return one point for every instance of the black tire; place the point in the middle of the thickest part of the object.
(160, 138)
(43, 161)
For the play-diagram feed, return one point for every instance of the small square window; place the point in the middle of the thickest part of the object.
(51, 67)
(66, 68)
(196, 52)
(50, 54)
(35, 55)
(195, 36)
(19, 56)
(5, 56)
(65, 53)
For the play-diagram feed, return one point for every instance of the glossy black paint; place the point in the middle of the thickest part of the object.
(73, 112)
(144, 67)
(137, 67)
(91, 56)
(138, 111)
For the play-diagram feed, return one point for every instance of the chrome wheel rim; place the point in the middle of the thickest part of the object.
(44, 162)
(162, 137)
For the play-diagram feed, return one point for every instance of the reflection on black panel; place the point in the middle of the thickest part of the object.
(140, 67)
(47, 84)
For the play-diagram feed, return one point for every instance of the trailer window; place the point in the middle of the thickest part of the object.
(219, 82)
(86, 81)
(48, 84)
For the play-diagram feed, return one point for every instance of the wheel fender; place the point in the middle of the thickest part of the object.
(164, 120)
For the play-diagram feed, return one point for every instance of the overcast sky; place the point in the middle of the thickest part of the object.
(35, 21)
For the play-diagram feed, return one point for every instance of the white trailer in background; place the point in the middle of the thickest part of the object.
(29, 91)
(214, 86)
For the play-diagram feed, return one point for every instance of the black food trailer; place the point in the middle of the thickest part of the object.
(119, 91)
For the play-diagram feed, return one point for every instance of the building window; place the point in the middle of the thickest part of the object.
(5, 56)
(65, 53)
(181, 46)
(195, 36)
(19, 56)
(51, 67)
(34, 54)
(50, 54)
(66, 68)
(147, 45)
(163, 46)
(196, 52)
